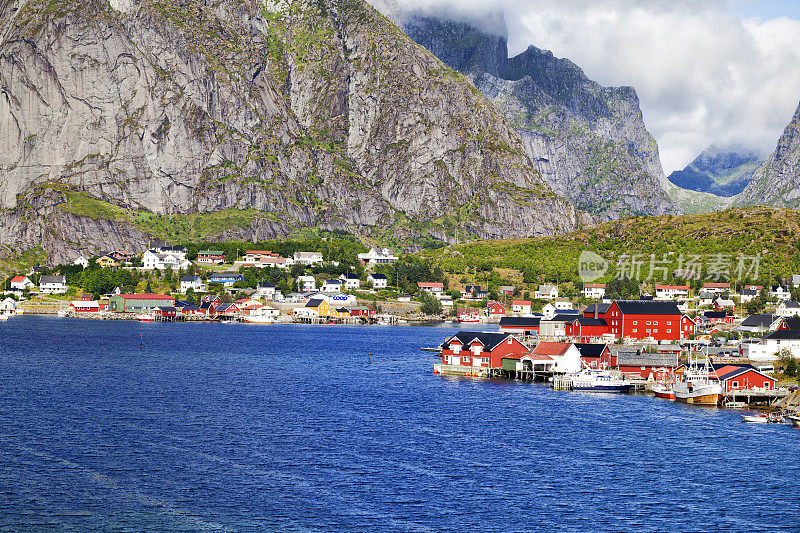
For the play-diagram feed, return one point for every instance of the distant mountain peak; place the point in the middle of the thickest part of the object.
(722, 171)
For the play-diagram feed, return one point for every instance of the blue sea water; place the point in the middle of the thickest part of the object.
(212, 427)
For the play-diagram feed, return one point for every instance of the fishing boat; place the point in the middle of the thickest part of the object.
(593, 380)
(471, 318)
(755, 419)
(696, 386)
(257, 319)
(663, 390)
(145, 317)
(735, 405)
(62, 313)
(794, 419)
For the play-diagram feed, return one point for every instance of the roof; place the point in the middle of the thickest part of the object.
(225, 307)
(430, 284)
(749, 292)
(551, 348)
(315, 302)
(52, 279)
(145, 296)
(790, 304)
(17, 279)
(563, 317)
(471, 288)
(727, 372)
(763, 320)
(589, 321)
(265, 284)
(792, 323)
(190, 307)
(190, 278)
(676, 287)
(783, 334)
(226, 275)
(715, 314)
(488, 340)
(590, 349)
(333, 281)
(210, 252)
(647, 307)
(167, 308)
(601, 308)
(594, 286)
(378, 276)
(638, 358)
(520, 321)
(521, 302)
(350, 275)
(717, 285)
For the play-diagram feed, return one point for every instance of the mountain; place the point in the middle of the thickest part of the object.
(723, 172)
(589, 142)
(236, 119)
(777, 181)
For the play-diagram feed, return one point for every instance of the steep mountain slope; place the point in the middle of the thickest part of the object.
(589, 142)
(297, 114)
(718, 171)
(777, 181)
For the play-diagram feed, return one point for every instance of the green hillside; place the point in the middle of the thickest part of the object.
(712, 240)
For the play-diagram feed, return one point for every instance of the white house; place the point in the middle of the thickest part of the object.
(191, 282)
(594, 290)
(566, 355)
(551, 309)
(716, 287)
(308, 258)
(521, 307)
(332, 285)
(377, 257)
(8, 306)
(161, 258)
(81, 262)
(53, 284)
(306, 283)
(266, 310)
(21, 283)
(671, 292)
(771, 346)
(546, 292)
(350, 281)
(788, 308)
(266, 290)
(780, 292)
(378, 281)
(748, 294)
(432, 287)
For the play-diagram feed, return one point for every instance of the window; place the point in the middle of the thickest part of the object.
(648, 323)
(669, 322)
(635, 322)
(634, 330)
(767, 385)
(655, 322)
(734, 384)
(669, 331)
(648, 330)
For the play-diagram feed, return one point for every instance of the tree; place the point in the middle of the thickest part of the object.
(791, 368)
(430, 305)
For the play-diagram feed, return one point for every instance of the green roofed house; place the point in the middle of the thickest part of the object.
(214, 257)
(139, 303)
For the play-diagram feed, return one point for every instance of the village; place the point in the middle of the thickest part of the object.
(546, 335)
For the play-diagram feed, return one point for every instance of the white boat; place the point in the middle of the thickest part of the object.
(755, 419)
(62, 313)
(4, 317)
(469, 319)
(257, 319)
(593, 380)
(145, 317)
(794, 419)
(663, 390)
(696, 386)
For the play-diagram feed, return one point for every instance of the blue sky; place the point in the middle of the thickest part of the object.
(766, 9)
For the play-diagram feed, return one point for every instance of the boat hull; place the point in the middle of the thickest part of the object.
(700, 399)
(795, 420)
(667, 395)
(601, 388)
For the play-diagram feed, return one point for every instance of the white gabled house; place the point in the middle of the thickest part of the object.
(53, 284)
(594, 290)
(671, 292)
(308, 258)
(379, 281)
(780, 292)
(377, 257)
(546, 292)
(350, 281)
(332, 285)
(173, 257)
(306, 283)
(192, 282)
(21, 283)
(788, 308)
(266, 290)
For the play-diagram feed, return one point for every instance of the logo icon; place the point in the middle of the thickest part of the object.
(591, 266)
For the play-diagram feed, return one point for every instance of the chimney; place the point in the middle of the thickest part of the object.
(596, 305)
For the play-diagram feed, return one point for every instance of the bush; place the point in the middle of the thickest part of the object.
(430, 305)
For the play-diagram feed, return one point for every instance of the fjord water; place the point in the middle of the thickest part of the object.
(289, 428)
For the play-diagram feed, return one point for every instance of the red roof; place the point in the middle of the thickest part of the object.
(551, 348)
(594, 286)
(717, 285)
(680, 287)
(521, 302)
(17, 279)
(146, 297)
(428, 284)
(261, 252)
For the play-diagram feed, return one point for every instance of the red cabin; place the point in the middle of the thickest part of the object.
(734, 378)
(496, 309)
(469, 348)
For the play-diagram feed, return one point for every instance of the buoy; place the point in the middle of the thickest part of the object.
(370, 357)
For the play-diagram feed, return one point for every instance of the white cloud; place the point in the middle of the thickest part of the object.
(704, 74)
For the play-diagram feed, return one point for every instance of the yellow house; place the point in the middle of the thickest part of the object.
(340, 313)
(106, 261)
(319, 305)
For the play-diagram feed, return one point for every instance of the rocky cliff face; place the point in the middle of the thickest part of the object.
(777, 181)
(589, 142)
(311, 113)
(723, 172)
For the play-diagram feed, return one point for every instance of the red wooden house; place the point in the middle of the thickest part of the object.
(640, 319)
(585, 329)
(165, 311)
(632, 360)
(736, 377)
(496, 309)
(485, 350)
(592, 355)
